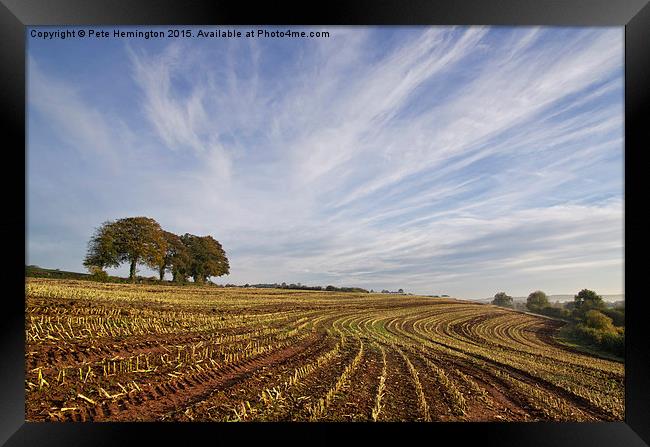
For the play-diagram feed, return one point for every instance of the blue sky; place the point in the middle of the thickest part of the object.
(457, 160)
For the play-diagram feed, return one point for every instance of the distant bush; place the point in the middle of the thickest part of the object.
(345, 289)
(585, 301)
(518, 305)
(98, 274)
(598, 329)
(537, 301)
(570, 306)
(555, 312)
(617, 315)
(501, 299)
(591, 322)
(597, 320)
(613, 342)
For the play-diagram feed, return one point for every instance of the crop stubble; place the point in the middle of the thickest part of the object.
(116, 352)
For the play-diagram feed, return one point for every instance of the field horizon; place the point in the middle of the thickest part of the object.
(38, 271)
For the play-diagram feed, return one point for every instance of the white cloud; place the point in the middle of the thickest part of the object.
(76, 123)
(459, 159)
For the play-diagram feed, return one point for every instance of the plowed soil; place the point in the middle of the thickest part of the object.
(116, 352)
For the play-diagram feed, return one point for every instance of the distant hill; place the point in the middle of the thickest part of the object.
(563, 298)
(35, 271)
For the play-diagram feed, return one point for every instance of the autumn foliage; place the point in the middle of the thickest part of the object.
(141, 241)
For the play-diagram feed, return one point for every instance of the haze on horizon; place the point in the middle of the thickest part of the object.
(441, 160)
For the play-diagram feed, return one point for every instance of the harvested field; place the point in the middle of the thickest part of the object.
(117, 352)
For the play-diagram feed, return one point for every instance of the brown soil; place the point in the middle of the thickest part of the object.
(508, 371)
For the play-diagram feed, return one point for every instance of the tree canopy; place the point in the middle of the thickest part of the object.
(207, 257)
(586, 300)
(141, 241)
(501, 299)
(102, 251)
(176, 259)
(537, 301)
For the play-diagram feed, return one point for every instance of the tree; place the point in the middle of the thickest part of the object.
(181, 262)
(207, 257)
(102, 251)
(537, 301)
(139, 240)
(176, 258)
(501, 299)
(586, 300)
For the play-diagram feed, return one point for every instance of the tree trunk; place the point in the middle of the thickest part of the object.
(132, 272)
(161, 271)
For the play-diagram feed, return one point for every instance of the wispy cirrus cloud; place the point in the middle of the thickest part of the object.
(438, 160)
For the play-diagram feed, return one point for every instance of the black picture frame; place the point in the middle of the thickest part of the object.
(15, 15)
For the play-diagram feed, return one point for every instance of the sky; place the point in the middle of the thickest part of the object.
(441, 160)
